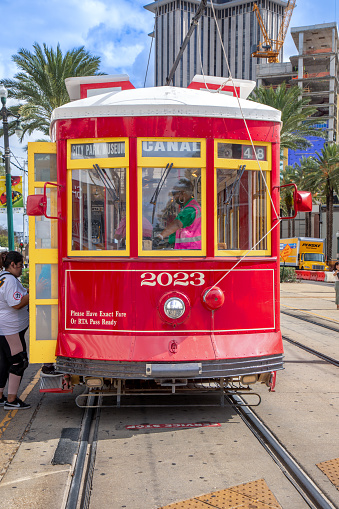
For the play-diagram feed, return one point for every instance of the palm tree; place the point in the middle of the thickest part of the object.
(296, 175)
(39, 86)
(290, 175)
(321, 173)
(295, 114)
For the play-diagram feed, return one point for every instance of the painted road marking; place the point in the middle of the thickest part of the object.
(310, 313)
(178, 425)
(11, 413)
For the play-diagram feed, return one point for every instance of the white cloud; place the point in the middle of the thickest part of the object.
(96, 24)
(117, 55)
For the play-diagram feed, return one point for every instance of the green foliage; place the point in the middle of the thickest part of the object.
(25, 278)
(290, 175)
(2, 166)
(295, 114)
(39, 86)
(287, 275)
(321, 177)
(321, 173)
(3, 240)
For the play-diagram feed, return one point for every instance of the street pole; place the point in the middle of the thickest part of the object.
(10, 227)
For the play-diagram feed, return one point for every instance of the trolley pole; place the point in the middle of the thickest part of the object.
(195, 21)
(5, 113)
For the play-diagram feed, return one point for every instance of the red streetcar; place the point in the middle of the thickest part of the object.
(154, 253)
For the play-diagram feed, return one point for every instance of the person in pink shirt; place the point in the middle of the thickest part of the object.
(185, 231)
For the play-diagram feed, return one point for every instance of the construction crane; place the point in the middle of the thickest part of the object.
(270, 48)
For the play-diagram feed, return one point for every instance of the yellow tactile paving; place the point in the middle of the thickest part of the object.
(252, 495)
(331, 469)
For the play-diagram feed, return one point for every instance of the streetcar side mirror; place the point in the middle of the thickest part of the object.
(36, 205)
(303, 201)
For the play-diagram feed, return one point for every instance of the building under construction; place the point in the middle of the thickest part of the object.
(314, 68)
(239, 29)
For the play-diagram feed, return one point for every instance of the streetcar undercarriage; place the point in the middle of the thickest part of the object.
(120, 379)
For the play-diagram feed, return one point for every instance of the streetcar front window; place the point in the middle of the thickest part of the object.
(242, 210)
(99, 209)
(171, 209)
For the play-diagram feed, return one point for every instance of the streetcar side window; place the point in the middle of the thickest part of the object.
(45, 167)
(45, 228)
(242, 219)
(171, 209)
(99, 209)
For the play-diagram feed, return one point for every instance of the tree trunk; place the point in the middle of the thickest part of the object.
(329, 224)
(290, 223)
(308, 224)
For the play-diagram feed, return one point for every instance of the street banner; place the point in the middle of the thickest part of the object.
(17, 197)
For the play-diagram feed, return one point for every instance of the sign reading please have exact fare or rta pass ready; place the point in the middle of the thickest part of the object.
(93, 302)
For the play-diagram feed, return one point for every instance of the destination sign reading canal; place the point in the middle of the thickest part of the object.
(171, 149)
(98, 150)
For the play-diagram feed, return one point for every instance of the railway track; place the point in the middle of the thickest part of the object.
(310, 492)
(322, 356)
(80, 489)
(81, 485)
(320, 322)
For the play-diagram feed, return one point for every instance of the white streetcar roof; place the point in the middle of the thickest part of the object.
(165, 101)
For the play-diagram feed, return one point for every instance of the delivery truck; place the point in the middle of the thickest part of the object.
(304, 253)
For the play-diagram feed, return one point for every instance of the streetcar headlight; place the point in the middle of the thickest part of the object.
(174, 307)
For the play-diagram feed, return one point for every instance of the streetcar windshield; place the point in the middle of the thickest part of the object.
(242, 209)
(171, 208)
(99, 209)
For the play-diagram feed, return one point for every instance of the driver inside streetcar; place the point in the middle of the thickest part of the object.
(184, 232)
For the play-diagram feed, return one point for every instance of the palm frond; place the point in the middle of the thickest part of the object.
(39, 85)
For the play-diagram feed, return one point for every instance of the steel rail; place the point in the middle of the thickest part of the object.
(326, 358)
(79, 491)
(305, 486)
(310, 320)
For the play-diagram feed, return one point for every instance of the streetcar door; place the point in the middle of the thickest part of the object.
(43, 255)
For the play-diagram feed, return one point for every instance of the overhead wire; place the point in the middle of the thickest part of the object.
(277, 218)
(241, 110)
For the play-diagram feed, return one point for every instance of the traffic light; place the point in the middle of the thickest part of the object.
(21, 245)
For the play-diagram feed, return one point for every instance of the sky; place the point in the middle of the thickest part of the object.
(115, 30)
